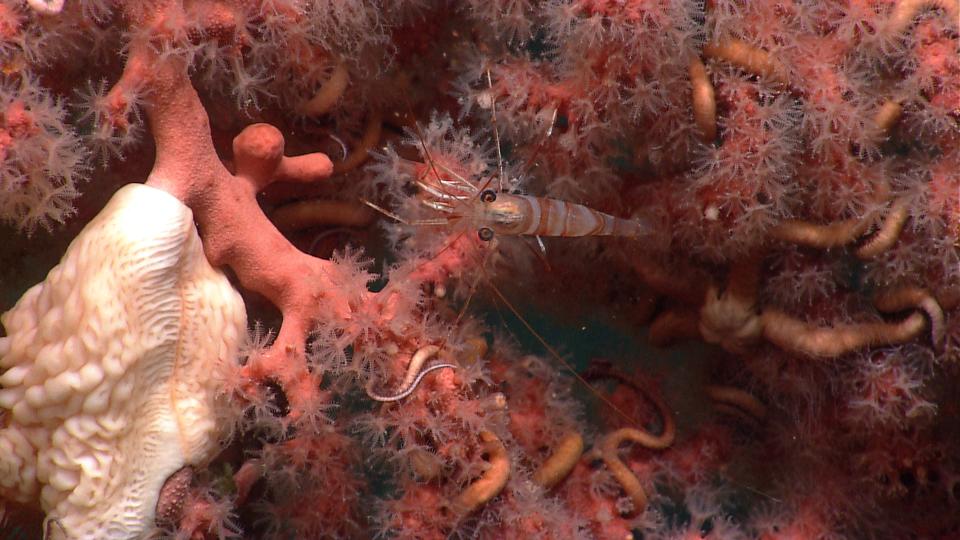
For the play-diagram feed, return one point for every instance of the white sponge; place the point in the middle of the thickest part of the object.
(106, 386)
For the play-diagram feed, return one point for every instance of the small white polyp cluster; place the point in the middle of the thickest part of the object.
(106, 385)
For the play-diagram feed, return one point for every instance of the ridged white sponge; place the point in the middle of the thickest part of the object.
(106, 385)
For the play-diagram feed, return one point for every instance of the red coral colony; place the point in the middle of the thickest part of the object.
(525, 268)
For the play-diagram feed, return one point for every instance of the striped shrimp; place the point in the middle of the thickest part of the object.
(495, 212)
(491, 213)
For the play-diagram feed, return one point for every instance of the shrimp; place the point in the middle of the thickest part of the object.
(490, 212)
(493, 213)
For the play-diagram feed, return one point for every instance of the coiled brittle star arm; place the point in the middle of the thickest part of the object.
(561, 461)
(733, 320)
(736, 402)
(493, 480)
(608, 448)
(848, 231)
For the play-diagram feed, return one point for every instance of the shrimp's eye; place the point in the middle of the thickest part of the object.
(485, 234)
(488, 195)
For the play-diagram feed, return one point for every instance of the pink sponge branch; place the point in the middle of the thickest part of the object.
(237, 234)
(234, 229)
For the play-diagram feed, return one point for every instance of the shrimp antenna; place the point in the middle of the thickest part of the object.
(496, 138)
(423, 143)
(416, 222)
(553, 352)
(496, 134)
(396, 217)
(496, 130)
(540, 145)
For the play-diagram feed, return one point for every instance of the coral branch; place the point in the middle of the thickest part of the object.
(235, 231)
(795, 164)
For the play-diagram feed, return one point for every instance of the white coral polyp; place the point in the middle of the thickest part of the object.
(106, 385)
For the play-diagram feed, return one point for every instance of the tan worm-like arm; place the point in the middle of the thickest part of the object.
(704, 101)
(915, 298)
(814, 341)
(738, 399)
(674, 325)
(888, 233)
(748, 58)
(328, 95)
(828, 236)
(561, 462)
(886, 116)
(907, 10)
(609, 445)
(360, 154)
(493, 480)
(317, 212)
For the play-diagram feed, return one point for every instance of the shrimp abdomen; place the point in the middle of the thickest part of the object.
(553, 217)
